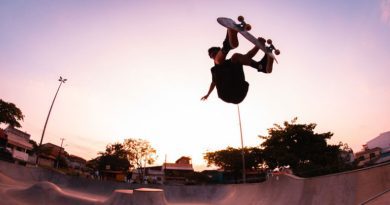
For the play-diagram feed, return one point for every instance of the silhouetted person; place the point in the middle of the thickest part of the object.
(228, 75)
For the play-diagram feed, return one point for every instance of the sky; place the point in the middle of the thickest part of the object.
(137, 69)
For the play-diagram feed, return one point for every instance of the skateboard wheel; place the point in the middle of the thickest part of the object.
(247, 27)
(269, 41)
(277, 51)
(240, 18)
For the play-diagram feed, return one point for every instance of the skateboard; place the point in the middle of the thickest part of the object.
(243, 28)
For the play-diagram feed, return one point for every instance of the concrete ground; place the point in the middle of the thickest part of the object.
(36, 186)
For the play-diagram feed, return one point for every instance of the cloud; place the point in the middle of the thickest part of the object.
(385, 9)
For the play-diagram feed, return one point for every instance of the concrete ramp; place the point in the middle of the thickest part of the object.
(380, 199)
(365, 186)
(355, 187)
(137, 197)
(47, 193)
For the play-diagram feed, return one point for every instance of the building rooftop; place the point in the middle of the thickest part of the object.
(382, 141)
(17, 132)
(174, 166)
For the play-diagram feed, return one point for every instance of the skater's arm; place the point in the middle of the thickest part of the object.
(212, 86)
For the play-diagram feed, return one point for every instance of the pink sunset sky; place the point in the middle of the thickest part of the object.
(137, 69)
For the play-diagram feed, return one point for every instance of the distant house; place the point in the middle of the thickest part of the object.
(368, 156)
(112, 175)
(18, 143)
(153, 175)
(375, 151)
(50, 153)
(76, 162)
(178, 172)
(168, 173)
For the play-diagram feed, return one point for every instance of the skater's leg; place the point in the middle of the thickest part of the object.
(264, 65)
(252, 52)
(230, 41)
(221, 54)
(233, 39)
(247, 58)
(241, 59)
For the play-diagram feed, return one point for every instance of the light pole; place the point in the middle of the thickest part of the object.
(242, 147)
(62, 80)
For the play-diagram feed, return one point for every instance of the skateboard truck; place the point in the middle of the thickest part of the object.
(247, 27)
(271, 47)
(243, 25)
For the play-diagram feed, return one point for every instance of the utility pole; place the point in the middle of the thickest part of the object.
(165, 169)
(242, 148)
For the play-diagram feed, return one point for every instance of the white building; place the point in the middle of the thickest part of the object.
(168, 173)
(375, 151)
(18, 142)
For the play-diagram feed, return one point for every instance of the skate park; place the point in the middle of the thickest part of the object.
(21, 185)
(140, 68)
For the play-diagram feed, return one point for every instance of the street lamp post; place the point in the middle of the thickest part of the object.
(242, 147)
(62, 80)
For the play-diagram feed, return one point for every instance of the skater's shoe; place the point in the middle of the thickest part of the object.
(233, 41)
(265, 65)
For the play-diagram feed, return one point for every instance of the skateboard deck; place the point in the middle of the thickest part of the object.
(243, 29)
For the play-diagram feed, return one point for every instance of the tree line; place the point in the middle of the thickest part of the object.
(131, 154)
(294, 145)
(291, 144)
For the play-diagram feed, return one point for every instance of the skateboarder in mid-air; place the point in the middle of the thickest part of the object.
(228, 75)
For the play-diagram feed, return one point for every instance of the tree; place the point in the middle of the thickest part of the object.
(230, 159)
(140, 153)
(10, 114)
(115, 157)
(306, 152)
